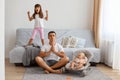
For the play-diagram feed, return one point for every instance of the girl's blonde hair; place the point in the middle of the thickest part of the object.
(40, 13)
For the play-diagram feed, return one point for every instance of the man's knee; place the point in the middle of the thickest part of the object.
(66, 59)
(38, 59)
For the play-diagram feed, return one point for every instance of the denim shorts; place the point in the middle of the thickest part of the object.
(51, 62)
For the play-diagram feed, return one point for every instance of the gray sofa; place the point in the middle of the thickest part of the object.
(23, 35)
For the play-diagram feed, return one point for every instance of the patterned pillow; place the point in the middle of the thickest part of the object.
(66, 41)
(69, 42)
(72, 42)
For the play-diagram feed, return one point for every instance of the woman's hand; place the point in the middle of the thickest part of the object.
(46, 18)
(46, 11)
(29, 17)
(28, 12)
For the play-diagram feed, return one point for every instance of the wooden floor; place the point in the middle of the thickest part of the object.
(16, 73)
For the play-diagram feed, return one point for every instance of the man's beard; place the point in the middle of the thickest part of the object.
(52, 41)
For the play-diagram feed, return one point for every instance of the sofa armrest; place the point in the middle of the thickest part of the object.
(16, 54)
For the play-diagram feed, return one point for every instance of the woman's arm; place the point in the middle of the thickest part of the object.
(72, 65)
(46, 18)
(79, 66)
(30, 17)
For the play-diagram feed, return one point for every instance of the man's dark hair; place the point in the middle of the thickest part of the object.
(52, 32)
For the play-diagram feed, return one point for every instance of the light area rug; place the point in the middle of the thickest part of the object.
(36, 73)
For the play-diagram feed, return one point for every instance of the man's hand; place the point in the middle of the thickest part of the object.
(53, 49)
(48, 53)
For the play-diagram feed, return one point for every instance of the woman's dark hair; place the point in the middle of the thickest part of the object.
(40, 13)
(52, 32)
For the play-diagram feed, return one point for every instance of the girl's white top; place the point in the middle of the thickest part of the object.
(38, 22)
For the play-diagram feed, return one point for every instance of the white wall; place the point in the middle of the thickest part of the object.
(2, 65)
(63, 14)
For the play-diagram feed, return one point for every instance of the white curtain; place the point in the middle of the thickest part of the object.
(110, 33)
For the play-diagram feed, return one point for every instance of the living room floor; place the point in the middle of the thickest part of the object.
(16, 73)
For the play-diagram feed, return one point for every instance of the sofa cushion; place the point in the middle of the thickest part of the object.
(73, 42)
(79, 33)
(81, 43)
(23, 35)
(16, 54)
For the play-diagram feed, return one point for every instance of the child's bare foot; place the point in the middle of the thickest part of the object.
(46, 71)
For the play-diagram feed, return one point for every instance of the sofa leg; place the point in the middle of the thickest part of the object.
(21, 64)
(93, 64)
(18, 64)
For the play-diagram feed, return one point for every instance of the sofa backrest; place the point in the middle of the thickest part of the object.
(23, 35)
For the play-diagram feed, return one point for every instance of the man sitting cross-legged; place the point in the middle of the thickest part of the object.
(52, 55)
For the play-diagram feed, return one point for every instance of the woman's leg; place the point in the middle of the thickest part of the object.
(30, 41)
(41, 32)
(42, 40)
(33, 36)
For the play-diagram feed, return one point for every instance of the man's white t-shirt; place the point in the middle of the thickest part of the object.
(52, 55)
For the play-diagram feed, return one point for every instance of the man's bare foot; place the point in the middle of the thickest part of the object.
(58, 71)
(46, 71)
(54, 71)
